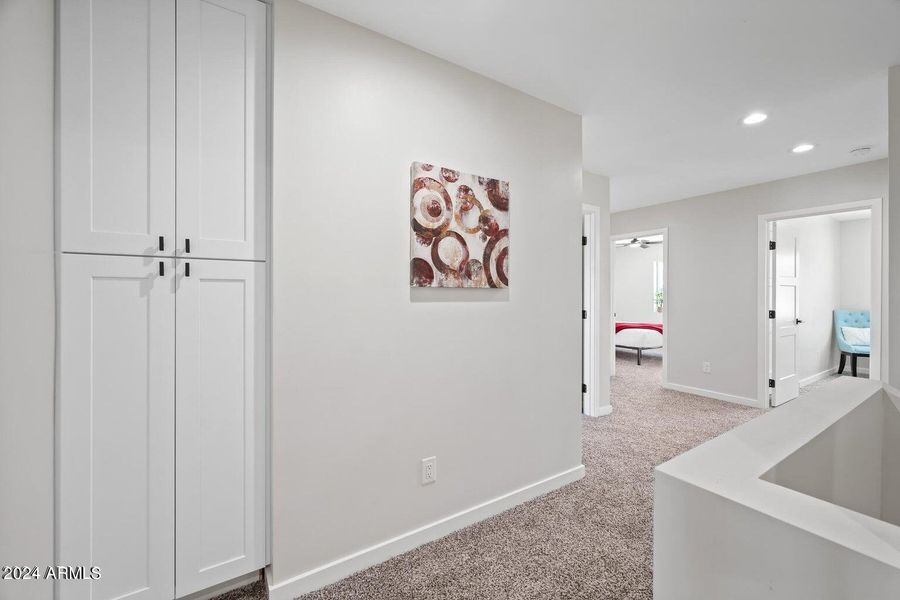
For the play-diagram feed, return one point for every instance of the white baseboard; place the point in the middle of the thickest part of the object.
(334, 571)
(819, 376)
(711, 394)
(604, 410)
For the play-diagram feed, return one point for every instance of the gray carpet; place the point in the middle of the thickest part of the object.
(591, 539)
(830, 379)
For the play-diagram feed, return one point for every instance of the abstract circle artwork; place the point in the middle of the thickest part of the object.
(459, 229)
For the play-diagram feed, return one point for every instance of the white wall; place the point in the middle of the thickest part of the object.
(26, 291)
(856, 264)
(893, 214)
(633, 286)
(712, 286)
(596, 193)
(369, 376)
(819, 250)
(856, 269)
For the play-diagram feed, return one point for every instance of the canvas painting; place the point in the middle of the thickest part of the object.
(459, 234)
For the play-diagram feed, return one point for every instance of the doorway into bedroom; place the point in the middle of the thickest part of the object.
(639, 273)
(822, 286)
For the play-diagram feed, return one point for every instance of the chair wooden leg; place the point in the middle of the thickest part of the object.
(843, 364)
(853, 364)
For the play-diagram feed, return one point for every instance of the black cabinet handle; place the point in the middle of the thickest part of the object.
(162, 269)
(798, 321)
(162, 244)
(187, 245)
(187, 269)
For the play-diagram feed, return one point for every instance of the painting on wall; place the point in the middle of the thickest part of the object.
(459, 229)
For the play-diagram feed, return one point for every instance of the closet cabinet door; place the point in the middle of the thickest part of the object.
(221, 91)
(115, 438)
(117, 126)
(220, 422)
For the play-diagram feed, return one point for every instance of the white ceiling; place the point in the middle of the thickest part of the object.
(663, 84)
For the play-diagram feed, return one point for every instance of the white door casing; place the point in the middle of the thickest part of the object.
(587, 304)
(115, 444)
(117, 126)
(786, 274)
(221, 115)
(220, 421)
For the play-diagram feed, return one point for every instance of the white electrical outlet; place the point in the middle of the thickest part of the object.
(429, 470)
(706, 367)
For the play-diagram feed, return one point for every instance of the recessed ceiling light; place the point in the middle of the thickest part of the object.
(801, 148)
(755, 118)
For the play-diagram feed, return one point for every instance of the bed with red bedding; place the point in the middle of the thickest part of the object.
(639, 336)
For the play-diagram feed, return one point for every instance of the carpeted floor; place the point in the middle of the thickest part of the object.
(823, 382)
(591, 539)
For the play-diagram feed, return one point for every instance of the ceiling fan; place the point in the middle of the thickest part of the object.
(636, 243)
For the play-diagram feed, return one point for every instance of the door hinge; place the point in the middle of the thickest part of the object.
(771, 314)
(584, 314)
(584, 388)
(584, 240)
(771, 383)
(771, 245)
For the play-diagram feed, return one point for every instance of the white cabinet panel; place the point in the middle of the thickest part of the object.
(220, 399)
(116, 438)
(117, 126)
(221, 108)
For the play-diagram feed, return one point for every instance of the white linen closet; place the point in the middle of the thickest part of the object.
(162, 223)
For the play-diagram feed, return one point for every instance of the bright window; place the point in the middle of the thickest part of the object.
(658, 293)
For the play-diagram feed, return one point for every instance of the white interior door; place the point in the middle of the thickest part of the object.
(221, 90)
(117, 126)
(220, 422)
(787, 303)
(115, 437)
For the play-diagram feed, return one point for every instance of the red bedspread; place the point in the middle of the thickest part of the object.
(654, 326)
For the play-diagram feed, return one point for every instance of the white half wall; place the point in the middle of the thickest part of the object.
(596, 193)
(633, 288)
(712, 287)
(26, 292)
(768, 509)
(369, 377)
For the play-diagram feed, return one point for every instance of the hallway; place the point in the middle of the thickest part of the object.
(591, 539)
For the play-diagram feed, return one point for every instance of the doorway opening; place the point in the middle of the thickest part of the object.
(821, 295)
(638, 283)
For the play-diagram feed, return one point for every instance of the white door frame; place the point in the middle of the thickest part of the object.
(613, 238)
(591, 400)
(879, 293)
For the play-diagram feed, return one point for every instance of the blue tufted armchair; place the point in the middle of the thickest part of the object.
(850, 318)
